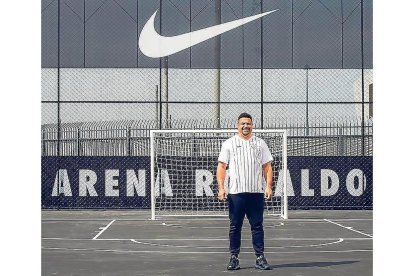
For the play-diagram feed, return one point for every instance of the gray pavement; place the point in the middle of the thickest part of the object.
(126, 242)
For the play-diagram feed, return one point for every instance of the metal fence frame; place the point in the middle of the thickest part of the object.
(131, 138)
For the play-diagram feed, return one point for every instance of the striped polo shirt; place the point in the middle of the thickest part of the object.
(245, 159)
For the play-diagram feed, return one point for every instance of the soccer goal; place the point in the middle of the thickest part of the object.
(183, 169)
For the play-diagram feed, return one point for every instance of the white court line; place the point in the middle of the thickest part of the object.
(212, 239)
(103, 229)
(273, 239)
(199, 252)
(197, 219)
(92, 219)
(349, 228)
(351, 219)
(66, 239)
(226, 247)
(211, 227)
(76, 219)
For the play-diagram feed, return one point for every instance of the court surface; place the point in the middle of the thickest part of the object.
(126, 242)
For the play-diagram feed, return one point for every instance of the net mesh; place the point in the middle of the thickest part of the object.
(184, 166)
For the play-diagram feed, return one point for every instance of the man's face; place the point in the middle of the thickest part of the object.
(245, 126)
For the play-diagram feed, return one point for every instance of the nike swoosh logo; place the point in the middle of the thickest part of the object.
(155, 45)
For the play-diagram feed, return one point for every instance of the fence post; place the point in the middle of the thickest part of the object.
(128, 140)
(341, 141)
(78, 143)
(43, 143)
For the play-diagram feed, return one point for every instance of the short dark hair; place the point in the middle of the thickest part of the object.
(245, 115)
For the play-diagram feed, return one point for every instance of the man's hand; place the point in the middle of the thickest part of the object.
(221, 175)
(267, 169)
(222, 195)
(268, 193)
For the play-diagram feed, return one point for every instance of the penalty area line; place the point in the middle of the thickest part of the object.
(103, 229)
(349, 228)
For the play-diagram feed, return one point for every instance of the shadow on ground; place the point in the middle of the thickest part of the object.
(310, 264)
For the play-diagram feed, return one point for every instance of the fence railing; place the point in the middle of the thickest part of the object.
(131, 138)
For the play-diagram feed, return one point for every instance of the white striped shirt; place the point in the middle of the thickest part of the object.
(245, 159)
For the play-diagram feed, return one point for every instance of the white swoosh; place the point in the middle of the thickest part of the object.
(154, 45)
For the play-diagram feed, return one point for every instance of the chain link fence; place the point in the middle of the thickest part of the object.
(306, 67)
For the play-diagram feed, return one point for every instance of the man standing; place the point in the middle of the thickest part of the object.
(248, 158)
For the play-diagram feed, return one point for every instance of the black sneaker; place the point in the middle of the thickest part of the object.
(233, 263)
(261, 263)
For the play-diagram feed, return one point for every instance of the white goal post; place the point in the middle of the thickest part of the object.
(183, 168)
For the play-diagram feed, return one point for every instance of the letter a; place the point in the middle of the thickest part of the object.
(165, 179)
(279, 185)
(62, 184)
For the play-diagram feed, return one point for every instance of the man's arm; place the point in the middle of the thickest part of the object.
(221, 175)
(268, 173)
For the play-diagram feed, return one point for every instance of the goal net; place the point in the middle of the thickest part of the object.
(183, 172)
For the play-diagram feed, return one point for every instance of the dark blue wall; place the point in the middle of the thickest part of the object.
(341, 166)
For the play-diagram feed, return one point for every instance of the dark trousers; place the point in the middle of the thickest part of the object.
(251, 205)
